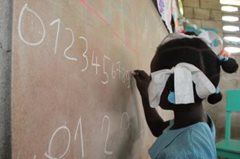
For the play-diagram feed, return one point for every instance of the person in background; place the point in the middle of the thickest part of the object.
(184, 71)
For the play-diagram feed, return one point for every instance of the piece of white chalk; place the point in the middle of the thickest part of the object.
(133, 73)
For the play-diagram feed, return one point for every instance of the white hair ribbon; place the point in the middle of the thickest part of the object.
(184, 75)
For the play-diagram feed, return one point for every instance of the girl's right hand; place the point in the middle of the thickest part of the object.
(142, 80)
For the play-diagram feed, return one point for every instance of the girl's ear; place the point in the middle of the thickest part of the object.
(214, 98)
(230, 65)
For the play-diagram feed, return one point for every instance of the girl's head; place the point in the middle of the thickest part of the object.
(194, 51)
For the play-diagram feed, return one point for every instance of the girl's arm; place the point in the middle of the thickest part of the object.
(154, 121)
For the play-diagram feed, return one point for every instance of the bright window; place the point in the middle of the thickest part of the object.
(231, 25)
(229, 9)
(230, 2)
(230, 18)
(232, 39)
(230, 28)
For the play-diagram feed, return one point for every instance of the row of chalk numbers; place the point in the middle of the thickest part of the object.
(116, 69)
(79, 137)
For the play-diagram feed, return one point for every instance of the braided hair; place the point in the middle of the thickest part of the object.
(196, 52)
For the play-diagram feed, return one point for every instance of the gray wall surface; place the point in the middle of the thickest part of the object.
(5, 78)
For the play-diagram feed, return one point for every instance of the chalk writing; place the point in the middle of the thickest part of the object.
(49, 153)
(107, 152)
(105, 128)
(79, 127)
(57, 21)
(27, 9)
(95, 62)
(113, 72)
(70, 45)
(119, 69)
(85, 52)
(128, 79)
(116, 69)
(105, 58)
(125, 115)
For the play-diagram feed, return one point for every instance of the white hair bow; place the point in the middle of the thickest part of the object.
(184, 75)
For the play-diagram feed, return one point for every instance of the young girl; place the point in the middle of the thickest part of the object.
(184, 71)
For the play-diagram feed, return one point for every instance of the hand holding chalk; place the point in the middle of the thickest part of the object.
(134, 73)
(142, 81)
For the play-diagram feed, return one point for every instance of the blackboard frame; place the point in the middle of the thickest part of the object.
(5, 77)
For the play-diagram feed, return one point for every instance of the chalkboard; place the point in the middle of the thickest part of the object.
(72, 92)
